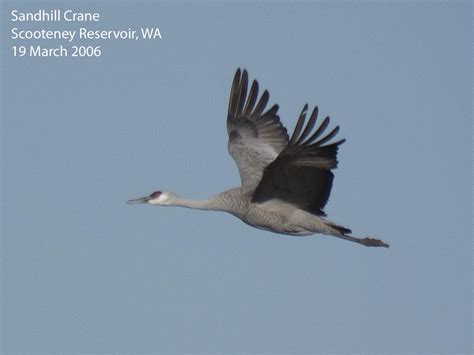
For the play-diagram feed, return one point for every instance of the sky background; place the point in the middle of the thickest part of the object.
(81, 271)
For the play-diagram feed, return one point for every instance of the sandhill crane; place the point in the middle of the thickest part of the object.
(286, 182)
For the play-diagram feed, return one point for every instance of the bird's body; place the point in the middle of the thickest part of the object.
(276, 216)
(286, 182)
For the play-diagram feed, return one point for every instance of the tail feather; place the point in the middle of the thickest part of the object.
(340, 229)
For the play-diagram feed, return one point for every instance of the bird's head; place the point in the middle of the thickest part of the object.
(155, 198)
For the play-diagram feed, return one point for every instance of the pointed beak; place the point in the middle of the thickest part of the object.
(138, 200)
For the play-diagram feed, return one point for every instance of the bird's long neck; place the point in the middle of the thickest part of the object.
(209, 204)
(224, 201)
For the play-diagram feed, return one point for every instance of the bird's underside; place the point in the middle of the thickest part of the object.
(297, 222)
(286, 181)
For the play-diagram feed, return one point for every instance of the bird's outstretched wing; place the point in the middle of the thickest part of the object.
(256, 136)
(301, 174)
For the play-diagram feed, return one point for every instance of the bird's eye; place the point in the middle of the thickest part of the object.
(155, 194)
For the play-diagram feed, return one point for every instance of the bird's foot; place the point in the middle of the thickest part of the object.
(370, 242)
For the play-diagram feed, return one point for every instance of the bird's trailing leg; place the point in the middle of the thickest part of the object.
(368, 242)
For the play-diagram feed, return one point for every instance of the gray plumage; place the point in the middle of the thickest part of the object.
(285, 182)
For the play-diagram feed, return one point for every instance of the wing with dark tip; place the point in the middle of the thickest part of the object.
(301, 174)
(256, 135)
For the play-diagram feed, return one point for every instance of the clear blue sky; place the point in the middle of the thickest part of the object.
(83, 272)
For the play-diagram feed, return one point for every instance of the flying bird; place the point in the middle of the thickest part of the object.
(286, 181)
